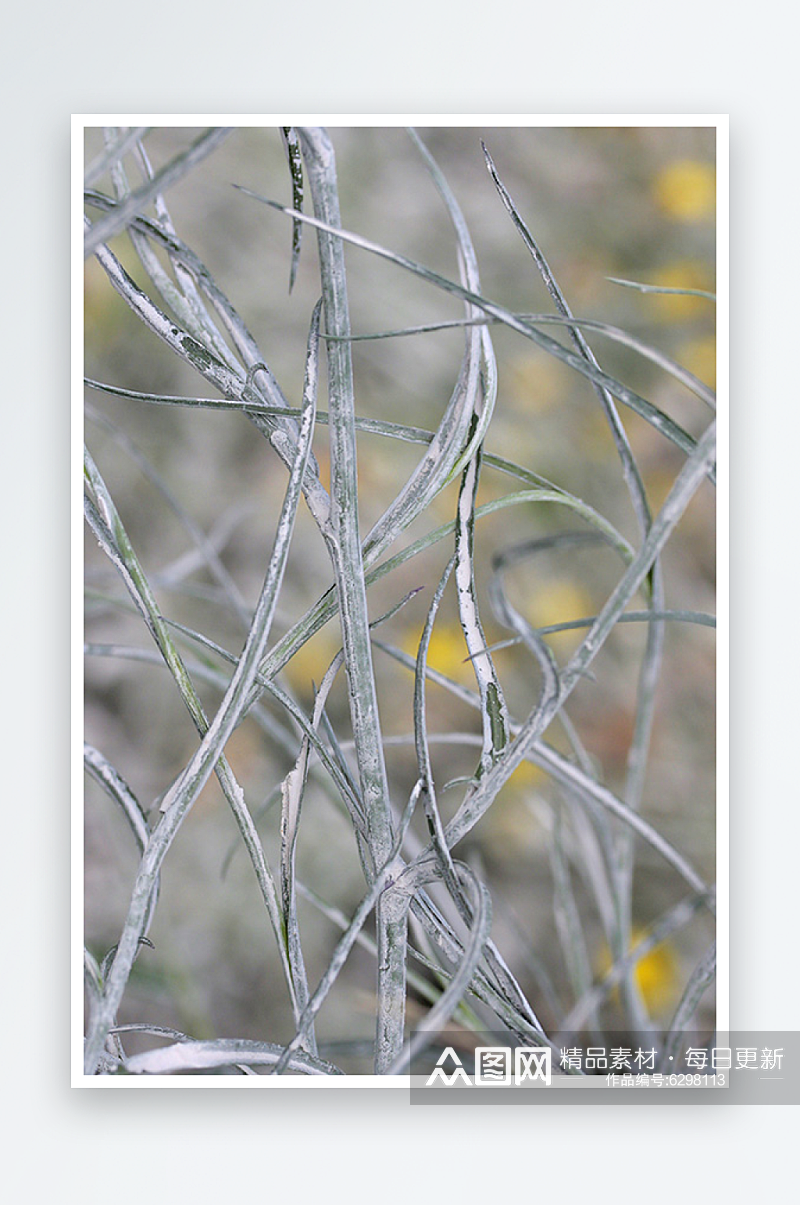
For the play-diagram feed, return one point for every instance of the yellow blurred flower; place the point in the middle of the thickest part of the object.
(447, 651)
(686, 190)
(310, 663)
(657, 974)
(526, 778)
(560, 600)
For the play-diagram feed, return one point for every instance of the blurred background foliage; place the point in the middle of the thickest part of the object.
(633, 203)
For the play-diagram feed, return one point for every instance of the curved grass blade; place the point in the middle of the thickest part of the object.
(700, 980)
(234, 704)
(201, 541)
(494, 713)
(457, 435)
(412, 435)
(451, 997)
(615, 333)
(344, 541)
(281, 432)
(182, 795)
(674, 919)
(651, 661)
(105, 228)
(511, 618)
(569, 775)
(344, 545)
(117, 789)
(183, 298)
(435, 827)
(118, 548)
(92, 977)
(113, 153)
(513, 1009)
(569, 926)
(115, 786)
(629, 468)
(344, 792)
(699, 617)
(191, 309)
(656, 417)
(688, 480)
(222, 1052)
(502, 974)
(292, 790)
(383, 880)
